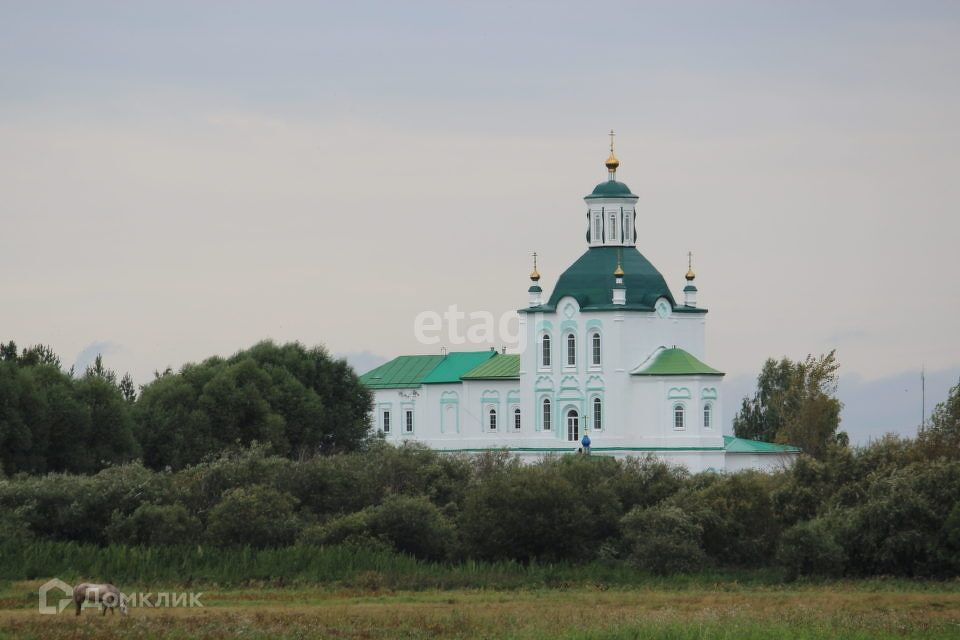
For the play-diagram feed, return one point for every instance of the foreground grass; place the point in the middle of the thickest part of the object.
(842, 610)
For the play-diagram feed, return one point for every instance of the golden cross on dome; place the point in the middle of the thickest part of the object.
(611, 140)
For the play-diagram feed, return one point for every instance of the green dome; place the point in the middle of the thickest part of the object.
(590, 280)
(611, 189)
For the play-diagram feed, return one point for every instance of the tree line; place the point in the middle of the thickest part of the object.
(295, 400)
(228, 453)
(891, 508)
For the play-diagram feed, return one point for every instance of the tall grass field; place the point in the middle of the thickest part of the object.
(347, 592)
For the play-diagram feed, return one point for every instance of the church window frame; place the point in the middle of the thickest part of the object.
(546, 355)
(517, 419)
(627, 229)
(613, 226)
(571, 343)
(597, 407)
(679, 417)
(492, 419)
(596, 350)
(708, 415)
(385, 420)
(546, 414)
(408, 421)
(597, 228)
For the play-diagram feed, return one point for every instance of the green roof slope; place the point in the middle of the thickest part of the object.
(401, 372)
(455, 364)
(502, 367)
(611, 189)
(674, 362)
(742, 445)
(590, 281)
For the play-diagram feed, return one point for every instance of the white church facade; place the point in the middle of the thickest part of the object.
(611, 363)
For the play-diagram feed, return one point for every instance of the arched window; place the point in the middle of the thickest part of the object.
(597, 231)
(595, 350)
(546, 414)
(545, 351)
(612, 234)
(571, 350)
(516, 419)
(573, 426)
(708, 416)
(493, 419)
(597, 414)
(678, 421)
(627, 229)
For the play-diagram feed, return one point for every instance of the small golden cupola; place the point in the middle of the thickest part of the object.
(619, 291)
(612, 163)
(690, 291)
(536, 293)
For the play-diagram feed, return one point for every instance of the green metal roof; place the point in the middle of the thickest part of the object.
(674, 362)
(742, 445)
(405, 372)
(401, 373)
(502, 367)
(455, 364)
(590, 280)
(611, 189)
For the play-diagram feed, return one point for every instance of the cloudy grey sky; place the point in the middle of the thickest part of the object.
(184, 179)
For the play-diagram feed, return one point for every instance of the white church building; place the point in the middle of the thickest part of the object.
(610, 360)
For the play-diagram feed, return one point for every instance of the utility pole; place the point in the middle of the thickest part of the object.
(923, 396)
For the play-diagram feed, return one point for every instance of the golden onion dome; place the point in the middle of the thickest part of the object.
(535, 275)
(612, 162)
(690, 275)
(619, 272)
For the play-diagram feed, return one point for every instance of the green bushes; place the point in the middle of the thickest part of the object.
(811, 548)
(883, 510)
(154, 524)
(409, 524)
(664, 539)
(257, 516)
(525, 513)
(736, 514)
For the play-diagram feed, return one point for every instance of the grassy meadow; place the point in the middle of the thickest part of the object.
(724, 609)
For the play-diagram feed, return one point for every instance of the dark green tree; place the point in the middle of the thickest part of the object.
(295, 400)
(127, 389)
(940, 437)
(795, 403)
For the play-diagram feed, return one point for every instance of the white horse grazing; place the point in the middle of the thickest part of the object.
(105, 595)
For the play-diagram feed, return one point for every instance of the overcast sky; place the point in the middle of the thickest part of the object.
(183, 179)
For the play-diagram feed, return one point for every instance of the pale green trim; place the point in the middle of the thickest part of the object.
(595, 383)
(573, 447)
